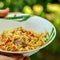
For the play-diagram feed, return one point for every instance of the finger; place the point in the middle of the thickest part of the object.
(12, 55)
(4, 12)
(7, 9)
(18, 56)
(6, 58)
(26, 58)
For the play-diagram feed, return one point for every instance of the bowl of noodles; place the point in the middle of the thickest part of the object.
(25, 37)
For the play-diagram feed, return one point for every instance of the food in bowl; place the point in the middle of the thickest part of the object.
(20, 39)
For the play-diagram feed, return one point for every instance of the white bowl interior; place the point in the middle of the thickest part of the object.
(35, 23)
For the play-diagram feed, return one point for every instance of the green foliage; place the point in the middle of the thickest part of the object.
(31, 2)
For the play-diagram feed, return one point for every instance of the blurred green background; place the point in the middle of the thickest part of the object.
(48, 9)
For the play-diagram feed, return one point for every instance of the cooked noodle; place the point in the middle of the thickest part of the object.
(19, 39)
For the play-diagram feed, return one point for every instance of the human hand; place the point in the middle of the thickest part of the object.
(6, 56)
(4, 12)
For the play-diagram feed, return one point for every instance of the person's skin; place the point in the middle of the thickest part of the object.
(4, 12)
(6, 56)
